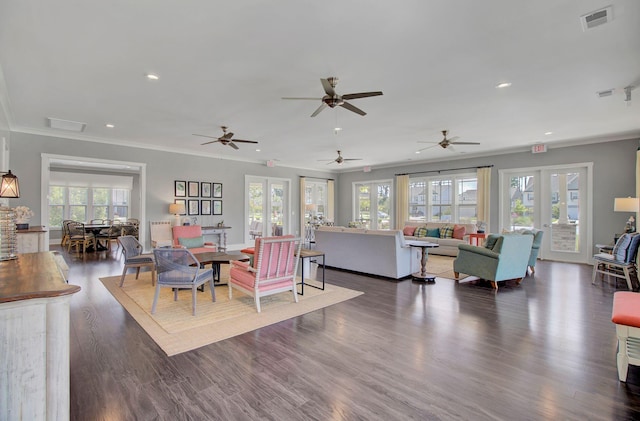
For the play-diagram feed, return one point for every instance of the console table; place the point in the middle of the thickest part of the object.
(221, 232)
(34, 325)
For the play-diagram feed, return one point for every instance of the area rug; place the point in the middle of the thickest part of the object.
(175, 330)
(441, 266)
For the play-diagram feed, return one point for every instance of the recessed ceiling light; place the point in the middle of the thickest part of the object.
(257, 150)
(503, 85)
(417, 151)
(548, 133)
(109, 125)
(151, 76)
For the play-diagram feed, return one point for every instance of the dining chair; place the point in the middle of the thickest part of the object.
(179, 269)
(80, 238)
(109, 235)
(65, 232)
(134, 258)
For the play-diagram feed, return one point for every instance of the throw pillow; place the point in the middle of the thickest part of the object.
(420, 232)
(446, 232)
(459, 231)
(192, 242)
(620, 249)
(433, 232)
(491, 241)
(408, 230)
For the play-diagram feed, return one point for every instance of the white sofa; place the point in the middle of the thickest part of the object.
(376, 252)
(447, 246)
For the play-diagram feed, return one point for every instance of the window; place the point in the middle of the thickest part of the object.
(73, 203)
(444, 199)
(82, 197)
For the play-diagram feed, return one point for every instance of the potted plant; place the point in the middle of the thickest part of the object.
(23, 216)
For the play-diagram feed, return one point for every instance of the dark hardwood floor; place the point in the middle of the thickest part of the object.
(545, 350)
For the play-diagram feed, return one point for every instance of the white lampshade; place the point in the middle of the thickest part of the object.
(625, 204)
(176, 209)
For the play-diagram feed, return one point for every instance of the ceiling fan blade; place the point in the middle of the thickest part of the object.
(428, 147)
(327, 87)
(212, 141)
(464, 143)
(204, 135)
(227, 136)
(424, 141)
(352, 159)
(361, 95)
(352, 108)
(305, 98)
(244, 141)
(233, 145)
(320, 108)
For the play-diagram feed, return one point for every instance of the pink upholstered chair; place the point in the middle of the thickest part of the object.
(274, 269)
(190, 237)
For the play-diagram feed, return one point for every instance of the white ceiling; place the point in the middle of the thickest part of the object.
(230, 63)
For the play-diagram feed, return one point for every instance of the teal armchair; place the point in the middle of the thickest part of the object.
(507, 259)
(535, 247)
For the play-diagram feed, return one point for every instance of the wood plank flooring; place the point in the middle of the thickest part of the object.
(545, 350)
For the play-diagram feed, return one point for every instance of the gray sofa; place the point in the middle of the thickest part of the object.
(376, 252)
(446, 246)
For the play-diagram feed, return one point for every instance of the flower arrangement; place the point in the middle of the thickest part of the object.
(23, 213)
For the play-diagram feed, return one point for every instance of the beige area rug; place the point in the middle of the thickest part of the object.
(441, 266)
(175, 330)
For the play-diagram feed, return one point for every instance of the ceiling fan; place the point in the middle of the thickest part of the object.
(339, 160)
(446, 143)
(332, 99)
(225, 139)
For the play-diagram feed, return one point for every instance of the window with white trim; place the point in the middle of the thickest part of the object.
(82, 197)
(444, 199)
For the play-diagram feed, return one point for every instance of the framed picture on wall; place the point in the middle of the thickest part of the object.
(194, 207)
(217, 207)
(194, 189)
(205, 207)
(180, 188)
(217, 190)
(182, 202)
(205, 189)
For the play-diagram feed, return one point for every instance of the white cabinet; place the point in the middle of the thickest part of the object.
(32, 240)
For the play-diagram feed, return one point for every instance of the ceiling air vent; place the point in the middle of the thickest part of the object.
(597, 18)
(602, 94)
(72, 126)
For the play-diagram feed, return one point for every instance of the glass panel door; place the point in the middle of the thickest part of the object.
(268, 202)
(373, 205)
(565, 210)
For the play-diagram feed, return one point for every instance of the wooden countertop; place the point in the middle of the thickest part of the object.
(32, 275)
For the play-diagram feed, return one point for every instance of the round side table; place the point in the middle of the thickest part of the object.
(423, 276)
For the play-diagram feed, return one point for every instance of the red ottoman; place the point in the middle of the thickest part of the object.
(626, 316)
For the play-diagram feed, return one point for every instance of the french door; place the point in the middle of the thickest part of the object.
(268, 201)
(372, 207)
(556, 199)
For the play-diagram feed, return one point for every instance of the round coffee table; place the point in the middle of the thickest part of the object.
(423, 276)
(215, 258)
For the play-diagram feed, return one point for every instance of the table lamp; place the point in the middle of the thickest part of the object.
(176, 209)
(627, 204)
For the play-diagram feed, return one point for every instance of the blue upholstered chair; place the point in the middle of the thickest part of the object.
(179, 269)
(621, 263)
(508, 258)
